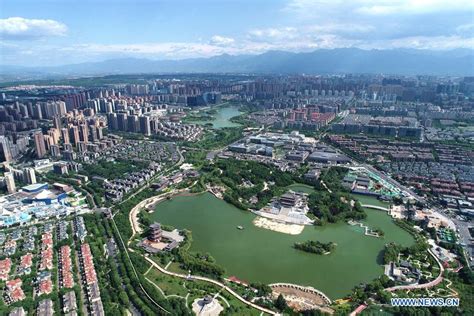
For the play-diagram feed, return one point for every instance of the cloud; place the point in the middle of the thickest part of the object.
(467, 29)
(414, 6)
(311, 8)
(311, 25)
(429, 42)
(17, 28)
(221, 40)
(173, 50)
(273, 33)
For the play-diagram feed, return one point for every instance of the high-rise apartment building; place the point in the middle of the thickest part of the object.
(10, 182)
(39, 145)
(5, 149)
(29, 175)
(74, 135)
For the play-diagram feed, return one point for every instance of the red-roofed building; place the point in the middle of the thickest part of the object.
(5, 266)
(88, 265)
(65, 267)
(45, 287)
(14, 293)
(26, 260)
(47, 240)
(46, 259)
(25, 264)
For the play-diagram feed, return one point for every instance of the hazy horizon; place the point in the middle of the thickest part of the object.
(52, 33)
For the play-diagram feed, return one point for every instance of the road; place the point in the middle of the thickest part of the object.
(424, 285)
(465, 239)
(135, 271)
(404, 189)
(213, 153)
(149, 182)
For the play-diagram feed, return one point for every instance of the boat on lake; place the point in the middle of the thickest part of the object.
(240, 227)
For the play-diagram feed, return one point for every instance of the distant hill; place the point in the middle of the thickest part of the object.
(459, 62)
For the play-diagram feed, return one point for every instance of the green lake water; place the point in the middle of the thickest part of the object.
(222, 117)
(299, 187)
(257, 254)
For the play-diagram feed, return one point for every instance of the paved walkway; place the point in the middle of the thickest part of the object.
(133, 215)
(200, 278)
(428, 285)
(424, 285)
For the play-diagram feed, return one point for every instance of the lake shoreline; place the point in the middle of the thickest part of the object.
(213, 224)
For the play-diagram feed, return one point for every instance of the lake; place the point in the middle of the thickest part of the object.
(222, 117)
(256, 254)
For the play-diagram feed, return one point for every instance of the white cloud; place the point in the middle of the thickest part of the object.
(273, 33)
(157, 50)
(466, 29)
(413, 6)
(429, 42)
(308, 8)
(221, 40)
(341, 28)
(17, 28)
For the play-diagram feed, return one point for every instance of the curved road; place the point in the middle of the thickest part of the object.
(424, 285)
(410, 287)
(228, 289)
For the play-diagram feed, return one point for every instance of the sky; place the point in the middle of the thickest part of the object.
(57, 32)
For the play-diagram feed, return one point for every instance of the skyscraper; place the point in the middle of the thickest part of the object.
(57, 122)
(10, 182)
(29, 175)
(112, 121)
(84, 132)
(100, 133)
(81, 147)
(5, 149)
(74, 135)
(55, 151)
(93, 132)
(132, 123)
(65, 135)
(145, 127)
(122, 122)
(39, 145)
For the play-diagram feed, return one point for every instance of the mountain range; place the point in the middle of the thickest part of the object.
(459, 62)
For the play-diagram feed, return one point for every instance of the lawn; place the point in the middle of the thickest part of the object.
(170, 285)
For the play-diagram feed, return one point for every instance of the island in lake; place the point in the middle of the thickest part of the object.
(317, 247)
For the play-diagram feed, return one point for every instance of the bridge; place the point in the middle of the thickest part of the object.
(381, 208)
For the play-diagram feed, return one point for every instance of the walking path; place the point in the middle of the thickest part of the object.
(135, 271)
(133, 215)
(168, 264)
(200, 278)
(367, 230)
(424, 285)
(428, 285)
(162, 292)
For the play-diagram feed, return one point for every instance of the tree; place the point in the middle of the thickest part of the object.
(263, 289)
(280, 303)
(124, 298)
